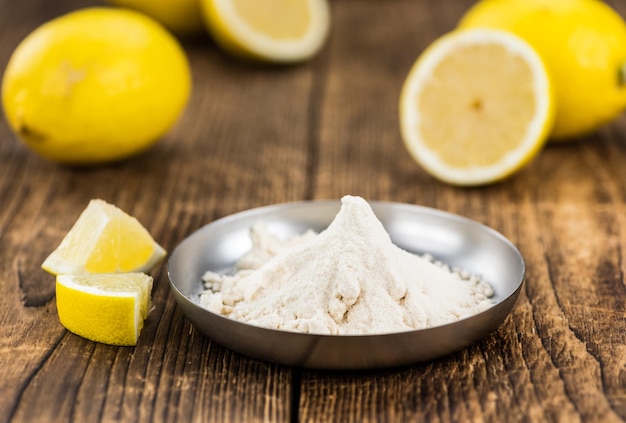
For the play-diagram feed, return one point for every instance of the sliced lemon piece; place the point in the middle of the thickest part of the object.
(107, 307)
(104, 239)
(476, 106)
(270, 30)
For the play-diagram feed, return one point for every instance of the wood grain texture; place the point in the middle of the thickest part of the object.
(257, 135)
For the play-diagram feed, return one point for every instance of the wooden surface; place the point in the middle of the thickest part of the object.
(254, 136)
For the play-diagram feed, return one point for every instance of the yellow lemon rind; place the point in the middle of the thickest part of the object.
(104, 315)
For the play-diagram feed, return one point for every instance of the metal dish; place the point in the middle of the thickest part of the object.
(453, 239)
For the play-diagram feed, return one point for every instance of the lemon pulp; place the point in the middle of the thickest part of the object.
(261, 16)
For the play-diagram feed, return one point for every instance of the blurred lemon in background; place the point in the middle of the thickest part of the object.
(183, 17)
(280, 31)
(476, 106)
(583, 43)
(95, 85)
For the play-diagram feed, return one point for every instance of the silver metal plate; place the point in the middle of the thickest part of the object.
(453, 239)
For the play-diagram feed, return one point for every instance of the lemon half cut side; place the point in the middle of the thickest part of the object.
(182, 17)
(106, 308)
(476, 106)
(279, 31)
(104, 239)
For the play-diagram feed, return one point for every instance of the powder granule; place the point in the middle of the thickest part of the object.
(349, 279)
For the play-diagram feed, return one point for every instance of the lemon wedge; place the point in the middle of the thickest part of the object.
(280, 31)
(476, 106)
(109, 308)
(104, 239)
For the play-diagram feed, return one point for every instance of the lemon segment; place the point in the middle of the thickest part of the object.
(582, 43)
(104, 239)
(280, 31)
(96, 85)
(106, 308)
(476, 106)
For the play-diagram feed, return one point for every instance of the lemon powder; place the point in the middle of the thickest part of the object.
(348, 279)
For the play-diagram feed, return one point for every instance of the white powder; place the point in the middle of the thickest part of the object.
(349, 279)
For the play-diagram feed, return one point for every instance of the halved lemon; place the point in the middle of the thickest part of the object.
(107, 308)
(476, 106)
(104, 239)
(270, 30)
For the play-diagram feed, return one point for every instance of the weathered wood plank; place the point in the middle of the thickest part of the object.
(257, 135)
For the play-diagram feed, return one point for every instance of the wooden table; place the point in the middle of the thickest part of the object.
(259, 135)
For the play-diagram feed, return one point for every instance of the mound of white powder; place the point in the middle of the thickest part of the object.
(349, 279)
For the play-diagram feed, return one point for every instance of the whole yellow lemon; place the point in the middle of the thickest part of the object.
(582, 42)
(95, 85)
(183, 17)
